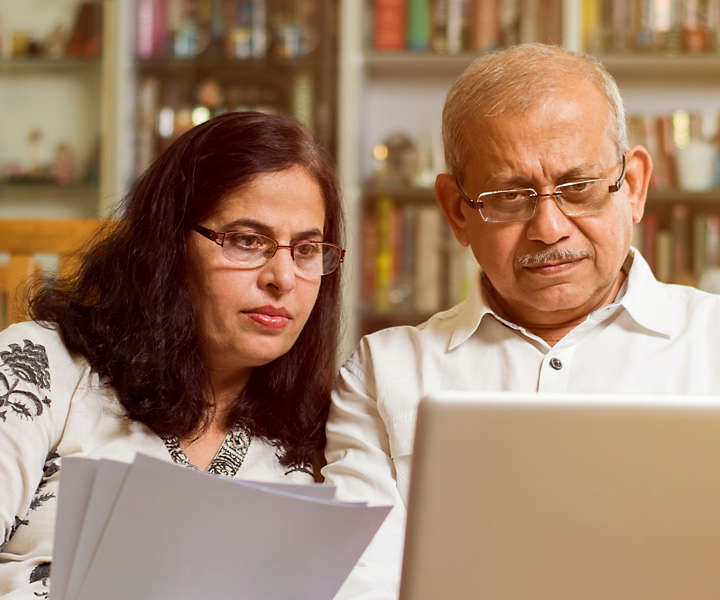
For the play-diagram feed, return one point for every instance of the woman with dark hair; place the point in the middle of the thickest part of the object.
(200, 328)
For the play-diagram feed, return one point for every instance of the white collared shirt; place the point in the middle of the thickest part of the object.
(655, 338)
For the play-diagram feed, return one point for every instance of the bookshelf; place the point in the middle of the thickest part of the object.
(400, 90)
(52, 61)
(195, 60)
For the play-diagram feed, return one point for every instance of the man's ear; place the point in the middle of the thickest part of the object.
(637, 179)
(449, 199)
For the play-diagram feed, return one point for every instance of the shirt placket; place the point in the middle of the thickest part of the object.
(555, 370)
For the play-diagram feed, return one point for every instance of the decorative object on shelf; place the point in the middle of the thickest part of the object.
(63, 168)
(85, 39)
(396, 160)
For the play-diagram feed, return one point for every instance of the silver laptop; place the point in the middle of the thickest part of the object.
(564, 497)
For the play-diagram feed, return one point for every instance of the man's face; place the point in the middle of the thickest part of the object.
(571, 264)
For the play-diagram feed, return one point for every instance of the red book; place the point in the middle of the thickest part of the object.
(389, 25)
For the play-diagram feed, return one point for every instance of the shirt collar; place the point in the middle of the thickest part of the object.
(644, 298)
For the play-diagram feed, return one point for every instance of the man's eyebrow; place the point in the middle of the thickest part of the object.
(583, 171)
(260, 227)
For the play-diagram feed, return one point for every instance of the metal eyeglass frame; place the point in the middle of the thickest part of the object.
(478, 204)
(219, 238)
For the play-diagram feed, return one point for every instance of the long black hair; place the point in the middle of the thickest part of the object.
(128, 310)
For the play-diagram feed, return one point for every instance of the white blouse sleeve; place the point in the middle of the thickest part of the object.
(32, 415)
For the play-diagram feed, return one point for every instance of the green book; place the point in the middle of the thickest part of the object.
(418, 25)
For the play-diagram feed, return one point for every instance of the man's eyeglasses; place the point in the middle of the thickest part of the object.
(574, 199)
(250, 250)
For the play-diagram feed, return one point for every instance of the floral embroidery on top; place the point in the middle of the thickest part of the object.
(229, 457)
(20, 368)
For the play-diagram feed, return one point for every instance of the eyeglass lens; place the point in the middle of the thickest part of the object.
(253, 250)
(574, 199)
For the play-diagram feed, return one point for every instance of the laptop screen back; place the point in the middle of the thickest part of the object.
(517, 496)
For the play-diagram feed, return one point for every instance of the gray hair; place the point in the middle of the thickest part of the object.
(514, 80)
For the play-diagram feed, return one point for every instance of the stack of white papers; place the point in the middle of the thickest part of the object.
(155, 530)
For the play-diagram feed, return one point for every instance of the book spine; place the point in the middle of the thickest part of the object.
(529, 21)
(486, 24)
(369, 252)
(418, 25)
(679, 228)
(427, 261)
(159, 25)
(389, 25)
(144, 39)
(384, 256)
(650, 229)
(699, 245)
(303, 99)
(259, 28)
(439, 26)
(663, 267)
(409, 252)
(455, 18)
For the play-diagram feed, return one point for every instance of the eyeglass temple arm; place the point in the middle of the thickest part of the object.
(476, 204)
(618, 184)
(218, 238)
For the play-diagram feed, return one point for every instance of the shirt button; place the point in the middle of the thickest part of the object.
(555, 363)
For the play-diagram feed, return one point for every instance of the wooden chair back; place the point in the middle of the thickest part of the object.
(22, 240)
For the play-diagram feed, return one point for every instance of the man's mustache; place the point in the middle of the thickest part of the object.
(537, 259)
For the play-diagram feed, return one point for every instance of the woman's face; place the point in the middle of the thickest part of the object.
(249, 317)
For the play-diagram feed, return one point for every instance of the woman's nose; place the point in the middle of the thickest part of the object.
(279, 272)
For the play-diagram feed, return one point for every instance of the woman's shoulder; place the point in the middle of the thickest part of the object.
(36, 353)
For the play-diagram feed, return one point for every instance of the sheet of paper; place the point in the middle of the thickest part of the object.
(104, 489)
(108, 482)
(78, 475)
(182, 534)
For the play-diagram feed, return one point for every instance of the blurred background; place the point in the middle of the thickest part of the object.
(91, 91)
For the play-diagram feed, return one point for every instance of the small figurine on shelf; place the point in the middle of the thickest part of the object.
(37, 155)
(64, 166)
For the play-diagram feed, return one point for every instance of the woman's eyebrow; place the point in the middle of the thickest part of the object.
(265, 229)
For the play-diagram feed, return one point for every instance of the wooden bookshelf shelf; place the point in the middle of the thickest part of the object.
(710, 198)
(24, 66)
(417, 63)
(646, 65)
(675, 67)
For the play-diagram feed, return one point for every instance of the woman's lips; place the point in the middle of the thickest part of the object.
(269, 317)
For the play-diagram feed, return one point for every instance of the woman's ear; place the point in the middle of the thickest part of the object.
(637, 179)
(449, 199)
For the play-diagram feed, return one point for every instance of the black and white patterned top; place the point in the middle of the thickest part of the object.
(229, 457)
(53, 405)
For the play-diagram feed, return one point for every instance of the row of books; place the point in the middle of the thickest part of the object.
(453, 26)
(681, 248)
(684, 146)
(651, 25)
(231, 28)
(410, 262)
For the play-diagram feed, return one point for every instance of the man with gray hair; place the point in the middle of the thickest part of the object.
(544, 188)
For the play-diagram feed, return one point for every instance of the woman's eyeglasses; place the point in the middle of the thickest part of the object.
(250, 250)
